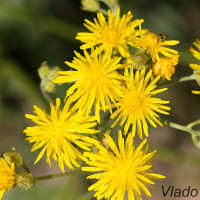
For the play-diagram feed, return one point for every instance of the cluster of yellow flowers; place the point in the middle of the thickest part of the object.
(104, 79)
(107, 77)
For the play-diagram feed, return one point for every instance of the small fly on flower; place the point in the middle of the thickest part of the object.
(164, 37)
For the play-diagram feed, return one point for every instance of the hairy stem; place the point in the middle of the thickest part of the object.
(73, 173)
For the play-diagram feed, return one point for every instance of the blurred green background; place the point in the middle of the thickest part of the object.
(33, 31)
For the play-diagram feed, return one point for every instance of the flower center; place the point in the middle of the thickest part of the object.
(151, 41)
(56, 130)
(124, 172)
(111, 36)
(133, 102)
(95, 77)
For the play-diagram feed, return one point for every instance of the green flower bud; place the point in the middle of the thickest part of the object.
(140, 59)
(53, 73)
(25, 180)
(111, 2)
(13, 157)
(90, 5)
(48, 86)
(47, 74)
(43, 71)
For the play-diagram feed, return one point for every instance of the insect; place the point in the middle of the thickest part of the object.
(164, 37)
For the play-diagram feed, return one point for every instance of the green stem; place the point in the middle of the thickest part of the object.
(174, 125)
(190, 125)
(25, 167)
(182, 79)
(187, 78)
(181, 127)
(73, 173)
(46, 96)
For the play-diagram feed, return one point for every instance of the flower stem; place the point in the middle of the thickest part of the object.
(190, 125)
(182, 79)
(187, 128)
(46, 96)
(26, 168)
(73, 173)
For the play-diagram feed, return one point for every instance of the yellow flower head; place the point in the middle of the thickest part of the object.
(196, 53)
(196, 67)
(137, 105)
(154, 44)
(165, 68)
(96, 81)
(7, 176)
(115, 33)
(124, 168)
(59, 133)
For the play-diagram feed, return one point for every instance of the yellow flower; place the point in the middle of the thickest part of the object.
(96, 81)
(123, 168)
(196, 53)
(137, 104)
(165, 68)
(7, 176)
(115, 33)
(154, 44)
(196, 67)
(59, 133)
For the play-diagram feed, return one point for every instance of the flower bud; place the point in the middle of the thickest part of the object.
(111, 2)
(90, 5)
(25, 180)
(43, 71)
(48, 86)
(13, 157)
(140, 59)
(47, 74)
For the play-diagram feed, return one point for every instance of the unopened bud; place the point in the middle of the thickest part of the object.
(48, 86)
(112, 2)
(13, 157)
(54, 72)
(43, 71)
(47, 74)
(140, 59)
(113, 5)
(25, 180)
(90, 5)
